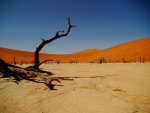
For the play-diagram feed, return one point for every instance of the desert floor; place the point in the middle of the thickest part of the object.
(96, 88)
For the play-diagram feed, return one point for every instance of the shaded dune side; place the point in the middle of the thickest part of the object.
(131, 51)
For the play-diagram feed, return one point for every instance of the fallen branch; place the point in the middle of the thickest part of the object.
(19, 74)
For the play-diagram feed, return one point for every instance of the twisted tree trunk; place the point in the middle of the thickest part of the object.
(44, 42)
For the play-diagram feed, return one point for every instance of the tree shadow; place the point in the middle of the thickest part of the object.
(51, 87)
(72, 78)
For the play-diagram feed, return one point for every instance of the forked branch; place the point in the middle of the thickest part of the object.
(45, 61)
(58, 35)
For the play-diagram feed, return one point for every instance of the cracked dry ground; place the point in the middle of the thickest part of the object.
(96, 88)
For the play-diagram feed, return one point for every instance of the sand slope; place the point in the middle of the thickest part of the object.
(131, 51)
(99, 88)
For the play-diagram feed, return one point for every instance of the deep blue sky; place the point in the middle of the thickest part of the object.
(101, 23)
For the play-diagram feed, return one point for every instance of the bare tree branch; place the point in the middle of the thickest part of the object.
(44, 42)
(45, 61)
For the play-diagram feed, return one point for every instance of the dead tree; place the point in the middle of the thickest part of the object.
(59, 34)
(109, 60)
(58, 61)
(33, 73)
(140, 59)
(101, 60)
(14, 60)
(143, 59)
(123, 60)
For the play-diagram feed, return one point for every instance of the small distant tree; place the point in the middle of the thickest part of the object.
(140, 58)
(123, 60)
(14, 60)
(109, 60)
(58, 61)
(101, 60)
(143, 59)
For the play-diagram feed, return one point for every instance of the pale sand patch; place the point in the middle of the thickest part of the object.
(102, 88)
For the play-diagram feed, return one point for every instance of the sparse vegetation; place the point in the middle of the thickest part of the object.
(58, 61)
(14, 60)
(101, 60)
(123, 60)
(143, 59)
(109, 60)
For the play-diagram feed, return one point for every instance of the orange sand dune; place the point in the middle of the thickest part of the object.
(132, 51)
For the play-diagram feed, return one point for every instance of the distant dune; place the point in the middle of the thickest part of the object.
(133, 51)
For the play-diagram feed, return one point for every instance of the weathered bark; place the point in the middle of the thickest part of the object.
(19, 74)
(44, 42)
